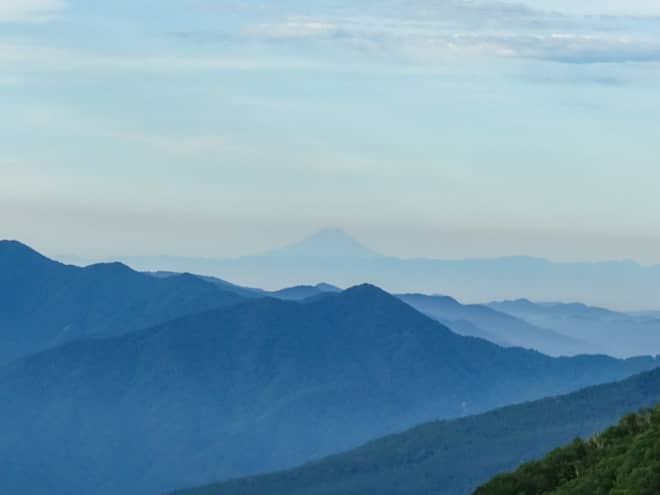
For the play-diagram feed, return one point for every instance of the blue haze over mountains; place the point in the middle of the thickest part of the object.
(44, 303)
(333, 256)
(454, 457)
(124, 382)
(495, 296)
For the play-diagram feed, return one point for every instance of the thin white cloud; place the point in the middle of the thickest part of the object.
(296, 29)
(544, 37)
(599, 7)
(427, 29)
(40, 57)
(30, 10)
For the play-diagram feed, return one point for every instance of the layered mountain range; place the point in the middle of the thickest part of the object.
(334, 256)
(602, 330)
(118, 381)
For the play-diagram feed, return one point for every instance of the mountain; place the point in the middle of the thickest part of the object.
(468, 329)
(248, 292)
(472, 320)
(334, 257)
(623, 459)
(569, 310)
(262, 385)
(296, 293)
(44, 303)
(326, 243)
(300, 292)
(501, 328)
(614, 333)
(325, 287)
(454, 457)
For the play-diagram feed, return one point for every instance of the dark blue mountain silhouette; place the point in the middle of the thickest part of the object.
(262, 385)
(44, 303)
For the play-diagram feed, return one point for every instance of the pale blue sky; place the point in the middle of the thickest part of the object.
(441, 128)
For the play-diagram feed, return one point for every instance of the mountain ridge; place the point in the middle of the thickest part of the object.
(499, 327)
(439, 457)
(504, 278)
(44, 303)
(614, 333)
(305, 378)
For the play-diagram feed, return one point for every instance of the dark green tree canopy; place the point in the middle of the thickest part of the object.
(624, 460)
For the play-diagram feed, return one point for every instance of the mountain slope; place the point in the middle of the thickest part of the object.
(625, 459)
(300, 292)
(501, 328)
(614, 333)
(44, 303)
(258, 386)
(247, 292)
(454, 457)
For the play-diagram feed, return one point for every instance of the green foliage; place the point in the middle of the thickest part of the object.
(624, 460)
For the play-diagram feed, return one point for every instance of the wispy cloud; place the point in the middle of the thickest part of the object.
(40, 57)
(545, 37)
(30, 10)
(427, 29)
(299, 29)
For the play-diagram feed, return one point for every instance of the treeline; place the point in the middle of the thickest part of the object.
(624, 460)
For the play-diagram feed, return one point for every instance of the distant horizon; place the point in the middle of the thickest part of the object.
(69, 256)
(435, 244)
(192, 256)
(469, 280)
(448, 129)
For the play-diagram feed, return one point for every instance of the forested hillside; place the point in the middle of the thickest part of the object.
(624, 460)
(455, 457)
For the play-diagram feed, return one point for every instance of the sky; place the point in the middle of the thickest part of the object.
(437, 128)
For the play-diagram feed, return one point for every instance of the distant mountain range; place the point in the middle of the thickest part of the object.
(120, 381)
(556, 329)
(471, 320)
(335, 257)
(109, 299)
(295, 293)
(500, 328)
(454, 457)
(44, 303)
(602, 330)
(260, 385)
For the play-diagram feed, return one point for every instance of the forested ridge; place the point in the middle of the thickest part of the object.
(624, 460)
